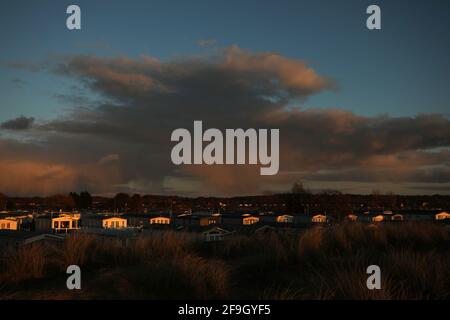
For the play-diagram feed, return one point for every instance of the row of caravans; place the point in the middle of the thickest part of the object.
(400, 216)
(66, 222)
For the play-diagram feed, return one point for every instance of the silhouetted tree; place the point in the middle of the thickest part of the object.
(375, 199)
(76, 198)
(121, 201)
(391, 200)
(10, 205)
(3, 201)
(335, 204)
(298, 188)
(85, 200)
(82, 200)
(136, 203)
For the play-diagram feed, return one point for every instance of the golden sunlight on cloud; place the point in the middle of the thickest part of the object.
(28, 177)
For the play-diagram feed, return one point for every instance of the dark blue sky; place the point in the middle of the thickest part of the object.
(401, 70)
(99, 103)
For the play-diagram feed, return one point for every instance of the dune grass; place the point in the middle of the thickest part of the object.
(319, 263)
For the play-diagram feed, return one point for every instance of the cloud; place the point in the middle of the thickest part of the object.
(122, 142)
(108, 159)
(96, 45)
(434, 188)
(20, 123)
(27, 66)
(208, 43)
(314, 139)
(31, 177)
(229, 71)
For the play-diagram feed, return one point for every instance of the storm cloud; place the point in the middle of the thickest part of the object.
(123, 142)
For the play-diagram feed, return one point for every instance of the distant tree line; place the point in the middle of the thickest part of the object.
(297, 200)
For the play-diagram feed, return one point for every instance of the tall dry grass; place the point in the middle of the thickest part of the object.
(414, 261)
(77, 249)
(23, 263)
(318, 263)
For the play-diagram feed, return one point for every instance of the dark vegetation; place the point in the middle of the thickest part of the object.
(320, 263)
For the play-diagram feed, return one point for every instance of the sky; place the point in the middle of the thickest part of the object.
(358, 109)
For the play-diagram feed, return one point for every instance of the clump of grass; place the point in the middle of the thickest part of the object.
(23, 263)
(120, 252)
(77, 249)
(184, 276)
(336, 259)
(427, 274)
(206, 278)
(234, 247)
(275, 248)
(310, 242)
(166, 244)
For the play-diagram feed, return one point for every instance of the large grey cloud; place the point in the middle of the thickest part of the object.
(123, 142)
(20, 123)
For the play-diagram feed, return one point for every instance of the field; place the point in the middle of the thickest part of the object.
(320, 263)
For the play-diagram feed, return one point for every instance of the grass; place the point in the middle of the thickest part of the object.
(319, 263)
(23, 263)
